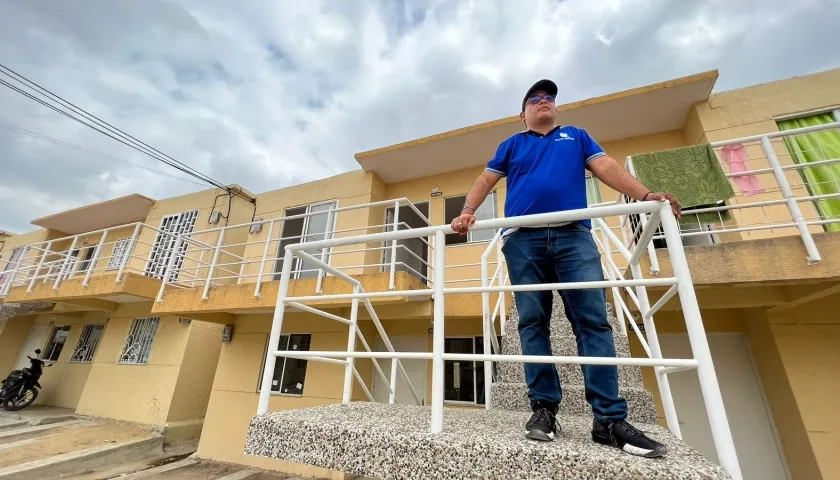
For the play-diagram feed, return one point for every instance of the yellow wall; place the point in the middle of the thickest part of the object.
(233, 400)
(807, 339)
(787, 416)
(172, 388)
(64, 381)
(13, 334)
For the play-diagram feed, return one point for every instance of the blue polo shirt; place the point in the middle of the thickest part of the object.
(545, 173)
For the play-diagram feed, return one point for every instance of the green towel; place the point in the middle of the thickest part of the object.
(693, 174)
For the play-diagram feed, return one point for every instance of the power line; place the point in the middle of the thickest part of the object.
(112, 132)
(21, 79)
(46, 138)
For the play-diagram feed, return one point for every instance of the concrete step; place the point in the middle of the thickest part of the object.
(563, 345)
(10, 424)
(392, 442)
(570, 374)
(86, 459)
(559, 322)
(27, 431)
(514, 396)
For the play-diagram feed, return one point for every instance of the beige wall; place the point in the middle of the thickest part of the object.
(64, 382)
(807, 339)
(13, 334)
(170, 389)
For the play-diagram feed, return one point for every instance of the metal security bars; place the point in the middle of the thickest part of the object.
(86, 346)
(680, 285)
(138, 343)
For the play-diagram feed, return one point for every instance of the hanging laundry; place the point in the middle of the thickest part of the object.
(735, 157)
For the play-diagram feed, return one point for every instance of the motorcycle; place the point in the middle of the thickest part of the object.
(20, 389)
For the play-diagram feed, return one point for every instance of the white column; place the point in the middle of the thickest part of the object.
(438, 333)
(274, 338)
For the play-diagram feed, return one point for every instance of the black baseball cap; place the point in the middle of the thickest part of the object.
(545, 85)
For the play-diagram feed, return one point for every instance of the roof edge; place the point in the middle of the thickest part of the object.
(707, 75)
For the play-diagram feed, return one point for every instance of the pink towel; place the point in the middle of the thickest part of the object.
(735, 156)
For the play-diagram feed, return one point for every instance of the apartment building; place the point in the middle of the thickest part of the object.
(166, 307)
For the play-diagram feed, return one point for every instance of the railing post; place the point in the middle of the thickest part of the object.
(722, 435)
(619, 312)
(274, 338)
(347, 395)
(12, 273)
(438, 334)
(198, 267)
(38, 268)
(502, 281)
(129, 251)
(795, 212)
(654, 261)
(65, 263)
(392, 396)
(319, 283)
(393, 266)
(168, 268)
(656, 352)
(213, 263)
(94, 258)
(264, 256)
(485, 315)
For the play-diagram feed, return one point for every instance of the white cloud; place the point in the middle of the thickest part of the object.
(266, 94)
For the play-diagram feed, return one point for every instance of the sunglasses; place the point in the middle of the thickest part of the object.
(535, 99)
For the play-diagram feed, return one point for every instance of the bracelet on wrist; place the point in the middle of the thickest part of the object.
(645, 196)
(468, 207)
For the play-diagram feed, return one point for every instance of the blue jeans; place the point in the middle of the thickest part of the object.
(564, 254)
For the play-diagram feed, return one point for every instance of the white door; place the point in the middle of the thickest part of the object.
(416, 370)
(37, 338)
(749, 418)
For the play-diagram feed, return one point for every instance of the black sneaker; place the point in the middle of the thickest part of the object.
(543, 425)
(622, 435)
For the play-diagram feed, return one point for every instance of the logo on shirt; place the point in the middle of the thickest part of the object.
(563, 136)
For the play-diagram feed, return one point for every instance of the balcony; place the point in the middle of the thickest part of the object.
(98, 269)
(780, 220)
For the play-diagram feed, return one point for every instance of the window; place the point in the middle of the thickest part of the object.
(310, 228)
(593, 190)
(120, 252)
(290, 373)
(58, 337)
(162, 248)
(464, 381)
(138, 343)
(486, 211)
(86, 346)
(85, 263)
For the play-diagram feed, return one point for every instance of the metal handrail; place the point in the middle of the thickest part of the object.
(681, 285)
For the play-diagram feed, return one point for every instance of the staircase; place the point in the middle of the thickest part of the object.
(392, 442)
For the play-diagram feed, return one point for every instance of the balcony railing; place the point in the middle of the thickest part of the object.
(772, 195)
(135, 247)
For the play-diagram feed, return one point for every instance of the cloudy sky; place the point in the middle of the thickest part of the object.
(267, 94)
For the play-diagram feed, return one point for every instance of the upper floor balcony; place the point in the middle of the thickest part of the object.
(774, 229)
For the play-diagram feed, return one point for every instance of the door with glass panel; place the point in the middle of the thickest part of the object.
(308, 223)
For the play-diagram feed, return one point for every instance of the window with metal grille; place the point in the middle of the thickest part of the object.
(120, 252)
(138, 344)
(164, 245)
(290, 373)
(57, 339)
(86, 346)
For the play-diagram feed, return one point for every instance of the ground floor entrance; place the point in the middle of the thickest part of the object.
(749, 417)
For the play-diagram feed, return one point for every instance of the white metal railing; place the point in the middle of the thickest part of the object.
(83, 256)
(773, 204)
(680, 285)
(214, 265)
